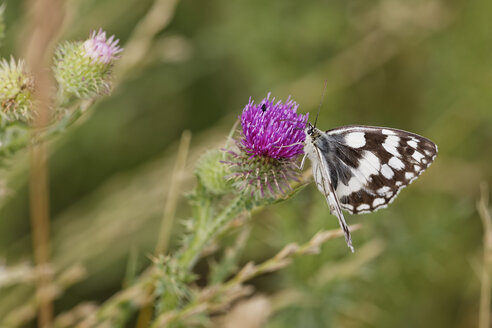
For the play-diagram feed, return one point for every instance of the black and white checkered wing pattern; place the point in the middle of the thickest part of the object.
(370, 165)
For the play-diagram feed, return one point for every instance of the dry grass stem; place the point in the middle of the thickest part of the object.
(71, 318)
(173, 193)
(46, 19)
(169, 212)
(377, 47)
(137, 47)
(234, 289)
(24, 314)
(483, 211)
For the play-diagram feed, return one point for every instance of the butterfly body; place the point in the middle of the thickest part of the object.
(361, 169)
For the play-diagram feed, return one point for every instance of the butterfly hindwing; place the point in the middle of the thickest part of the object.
(322, 172)
(370, 165)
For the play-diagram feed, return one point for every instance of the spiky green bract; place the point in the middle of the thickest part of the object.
(211, 216)
(12, 138)
(172, 281)
(16, 88)
(2, 22)
(212, 172)
(78, 75)
(260, 177)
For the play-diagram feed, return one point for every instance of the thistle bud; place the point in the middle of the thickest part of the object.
(83, 69)
(270, 142)
(16, 88)
(212, 172)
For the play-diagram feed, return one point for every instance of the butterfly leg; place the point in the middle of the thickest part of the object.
(302, 162)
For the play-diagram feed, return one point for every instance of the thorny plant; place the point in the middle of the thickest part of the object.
(227, 191)
(257, 168)
(82, 70)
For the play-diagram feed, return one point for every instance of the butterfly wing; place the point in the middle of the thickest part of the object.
(370, 165)
(322, 178)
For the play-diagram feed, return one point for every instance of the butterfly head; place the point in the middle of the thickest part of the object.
(312, 131)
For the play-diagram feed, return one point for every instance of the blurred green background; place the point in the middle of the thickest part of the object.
(422, 66)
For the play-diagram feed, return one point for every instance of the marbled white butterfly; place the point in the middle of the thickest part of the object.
(361, 169)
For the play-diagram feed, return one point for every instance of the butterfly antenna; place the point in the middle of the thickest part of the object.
(321, 101)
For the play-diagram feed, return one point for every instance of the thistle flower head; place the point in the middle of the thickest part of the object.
(101, 49)
(16, 88)
(268, 146)
(83, 69)
(272, 129)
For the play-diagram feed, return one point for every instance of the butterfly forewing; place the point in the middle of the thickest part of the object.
(370, 165)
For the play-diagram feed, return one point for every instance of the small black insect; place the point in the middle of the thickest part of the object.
(263, 108)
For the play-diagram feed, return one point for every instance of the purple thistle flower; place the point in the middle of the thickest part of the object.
(272, 129)
(271, 139)
(101, 49)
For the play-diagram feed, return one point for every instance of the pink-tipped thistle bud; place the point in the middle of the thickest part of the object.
(83, 69)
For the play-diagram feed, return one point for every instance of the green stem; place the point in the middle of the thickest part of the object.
(73, 115)
(206, 233)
